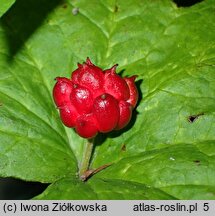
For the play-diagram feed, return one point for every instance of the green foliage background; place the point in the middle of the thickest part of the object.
(168, 150)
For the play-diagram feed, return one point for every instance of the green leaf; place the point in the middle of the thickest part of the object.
(71, 188)
(181, 168)
(5, 5)
(168, 149)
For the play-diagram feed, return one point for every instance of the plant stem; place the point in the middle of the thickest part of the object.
(86, 159)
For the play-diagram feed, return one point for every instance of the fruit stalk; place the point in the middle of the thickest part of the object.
(84, 167)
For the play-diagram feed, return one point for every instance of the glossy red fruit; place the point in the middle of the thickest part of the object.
(115, 85)
(106, 111)
(125, 113)
(94, 100)
(86, 126)
(89, 76)
(62, 91)
(133, 98)
(69, 115)
(82, 98)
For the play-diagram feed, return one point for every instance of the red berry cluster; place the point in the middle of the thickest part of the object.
(94, 100)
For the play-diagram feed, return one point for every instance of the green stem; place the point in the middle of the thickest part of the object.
(86, 159)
